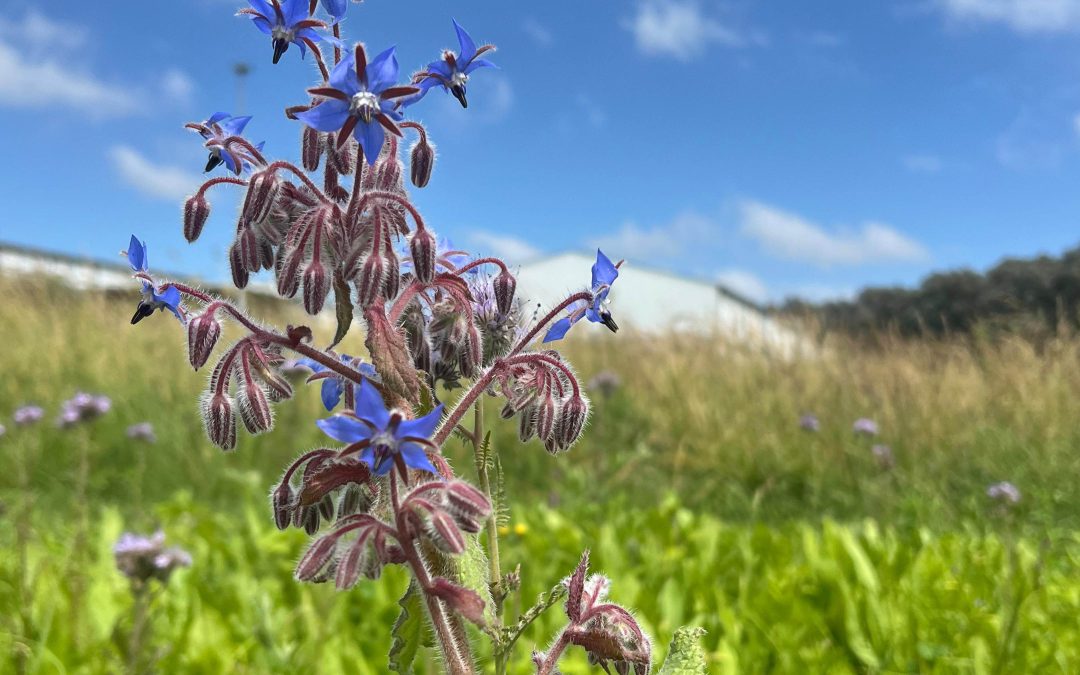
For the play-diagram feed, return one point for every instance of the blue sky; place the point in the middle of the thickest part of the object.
(780, 148)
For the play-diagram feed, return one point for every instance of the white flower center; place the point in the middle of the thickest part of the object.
(458, 79)
(365, 105)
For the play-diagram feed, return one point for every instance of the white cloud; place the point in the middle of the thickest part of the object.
(662, 242)
(539, 33)
(787, 235)
(922, 163)
(1025, 16)
(746, 284)
(37, 33)
(169, 183)
(511, 249)
(679, 29)
(176, 85)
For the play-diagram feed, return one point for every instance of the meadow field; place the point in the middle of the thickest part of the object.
(695, 487)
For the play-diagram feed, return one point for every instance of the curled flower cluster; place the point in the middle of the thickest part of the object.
(141, 558)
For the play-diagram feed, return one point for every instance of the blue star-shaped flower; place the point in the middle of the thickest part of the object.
(335, 8)
(169, 298)
(453, 70)
(604, 273)
(361, 100)
(384, 435)
(333, 385)
(217, 130)
(287, 22)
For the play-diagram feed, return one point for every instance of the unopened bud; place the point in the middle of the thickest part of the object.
(316, 287)
(326, 507)
(236, 267)
(288, 273)
(281, 501)
(392, 282)
(505, 285)
(574, 413)
(196, 211)
(316, 558)
(311, 148)
(309, 519)
(370, 281)
(354, 563)
(468, 506)
(443, 532)
(471, 355)
(422, 248)
(262, 188)
(255, 408)
(219, 419)
(545, 417)
(247, 242)
(389, 173)
(203, 333)
(421, 162)
(342, 154)
(527, 423)
(464, 601)
(354, 499)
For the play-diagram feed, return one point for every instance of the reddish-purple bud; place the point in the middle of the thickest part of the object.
(370, 280)
(355, 499)
(316, 287)
(219, 419)
(236, 266)
(422, 247)
(248, 244)
(278, 388)
(468, 506)
(421, 162)
(255, 408)
(266, 253)
(203, 333)
(575, 589)
(288, 273)
(262, 188)
(465, 602)
(196, 211)
(471, 355)
(342, 154)
(574, 413)
(527, 423)
(311, 148)
(546, 414)
(389, 174)
(505, 285)
(352, 564)
(392, 282)
(443, 532)
(326, 507)
(316, 558)
(281, 501)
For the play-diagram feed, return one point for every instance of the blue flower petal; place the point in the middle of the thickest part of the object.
(441, 67)
(311, 364)
(343, 76)
(170, 297)
(421, 427)
(331, 392)
(558, 329)
(468, 47)
(593, 315)
(217, 117)
(416, 458)
(370, 406)
(136, 254)
(262, 24)
(294, 11)
(368, 457)
(382, 71)
(230, 163)
(370, 136)
(344, 429)
(478, 63)
(335, 8)
(604, 271)
(330, 115)
(263, 7)
(234, 126)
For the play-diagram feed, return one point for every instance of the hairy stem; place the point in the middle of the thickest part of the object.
(528, 337)
(552, 659)
(483, 471)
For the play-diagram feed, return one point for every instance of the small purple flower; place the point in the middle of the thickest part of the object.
(452, 71)
(169, 296)
(606, 382)
(82, 407)
(384, 435)
(1004, 492)
(604, 273)
(865, 426)
(287, 22)
(144, 431)
(884, 456)
(27, 414)
(809, 423)
(361, 100)
(224, 140)
(141, 558)
(333, 385)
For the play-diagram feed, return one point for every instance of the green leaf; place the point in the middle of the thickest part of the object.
(472, 573)
(685, 655)
(343, 298)
(408, 631)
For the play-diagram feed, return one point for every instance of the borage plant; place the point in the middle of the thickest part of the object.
(434, 318)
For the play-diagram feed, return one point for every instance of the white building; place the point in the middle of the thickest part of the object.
(651, 300)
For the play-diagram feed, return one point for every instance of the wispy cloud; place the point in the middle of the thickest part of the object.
(176, 85)
(510, 249)
(539, 33)
(660, 243)
(32, 76)
(159, 181)
(1025, 16)
(921, 163)
(681, 30)
(787, 235)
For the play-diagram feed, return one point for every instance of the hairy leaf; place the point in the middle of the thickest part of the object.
(685, 655)
(343, 299)
(408, 631)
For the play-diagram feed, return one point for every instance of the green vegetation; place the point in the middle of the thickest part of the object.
(695, 488)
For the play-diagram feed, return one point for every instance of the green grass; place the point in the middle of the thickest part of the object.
(694, 487)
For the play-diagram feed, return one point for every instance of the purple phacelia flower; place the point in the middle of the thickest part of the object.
(27, 414)
(452, 71)
(884, 456)
(809, 423)
(333, 385)
(865, 426)
(224, 141)
(142, 558)
(287, 22)
(383, 435)
(144, 431)
(168, 297)
(1004, 492)
(82, 407)
(361, 100)
(604, 273)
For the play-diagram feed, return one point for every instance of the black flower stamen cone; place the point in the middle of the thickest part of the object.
(280, 46)
(212, 162)
(458, 90)
(609, 322)
(144, 310)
